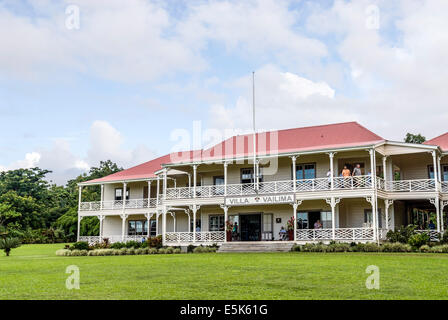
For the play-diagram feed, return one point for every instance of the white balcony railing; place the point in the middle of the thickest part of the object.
(347, 234)
(202, 236)
(445, 186)
(410, 185)
(319, 184)
(117, 204)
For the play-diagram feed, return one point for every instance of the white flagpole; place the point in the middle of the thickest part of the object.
(254, 132)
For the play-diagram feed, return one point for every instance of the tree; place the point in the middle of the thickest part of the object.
(6, 244)
(414, 138)
(7, 215)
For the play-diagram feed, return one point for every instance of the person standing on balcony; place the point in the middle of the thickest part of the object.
(346, 174)
(329, 178)
(356, 174)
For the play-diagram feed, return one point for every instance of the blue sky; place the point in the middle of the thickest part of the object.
(135, 71)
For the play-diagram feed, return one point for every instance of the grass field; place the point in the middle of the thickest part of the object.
(34, 272)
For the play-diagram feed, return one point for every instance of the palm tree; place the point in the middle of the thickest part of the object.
(9, 243)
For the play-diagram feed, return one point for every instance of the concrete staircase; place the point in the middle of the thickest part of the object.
(256, 246)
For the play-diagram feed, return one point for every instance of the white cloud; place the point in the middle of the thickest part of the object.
(106, 143)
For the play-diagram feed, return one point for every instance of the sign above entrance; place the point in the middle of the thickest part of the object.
(250, 200)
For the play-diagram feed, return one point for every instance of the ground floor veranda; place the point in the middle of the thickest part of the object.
(347, 219)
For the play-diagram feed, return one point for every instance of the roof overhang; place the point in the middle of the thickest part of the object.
(95, 183)
(268, 156)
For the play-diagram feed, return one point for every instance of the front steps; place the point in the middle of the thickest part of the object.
(256, 246)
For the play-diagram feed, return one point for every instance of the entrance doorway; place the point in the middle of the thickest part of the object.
(250, 228)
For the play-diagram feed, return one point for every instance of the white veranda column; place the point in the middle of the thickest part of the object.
(436, 203)
(195, 169)
(79, 215)
(123, 196)
(225, 178)
(443, 204)
(164, 225)
(101, 218)
(123, 225)
(226, 210)
(158, 190)
(331, 155)
(148, 221)
(333, 202)
(173, 215)
(387, 204)
(434, 160)
(294, 173)
(149, 193)
(165, 181)
(102, 197)
(385, 168)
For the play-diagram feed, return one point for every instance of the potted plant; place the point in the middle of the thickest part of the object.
(290, 228)
(229, 228)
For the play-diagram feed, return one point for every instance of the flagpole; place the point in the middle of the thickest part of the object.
(254, 132)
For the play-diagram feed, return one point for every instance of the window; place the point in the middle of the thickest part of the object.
(325, 217)
(445, 173)
(119, 194)
(368, 217)
(219, 185)
(138, 227)
(247, 175)
(431, 172)
(306, 171)
(153, 228)
(198, 225)
(302, 220)
(267, 222)
(216, 223)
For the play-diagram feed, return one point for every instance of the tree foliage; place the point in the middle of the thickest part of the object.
(414, 138)
(36, 211)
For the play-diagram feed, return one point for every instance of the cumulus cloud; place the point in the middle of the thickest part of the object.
(106, 143)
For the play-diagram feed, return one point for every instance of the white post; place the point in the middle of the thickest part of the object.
(189, 180)
(149, 195)
(124, 195)
(79, 209)
(101, 218)
(164, 225)
(195, 169)
(374, 196)
(226, 209)
(439, 169)
(158, 190)
(333, 202)
(331, 155)
(194, 209)
(436, 203)
(294, 174)
(434, 159)
(294, 212)
(165, 181)
(385, 168)
(225, 178)
(157, 223)
(123, 225)
(148, 219)
(174, 220)
(387, 204)
(102, 197)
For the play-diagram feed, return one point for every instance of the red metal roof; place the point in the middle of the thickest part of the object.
(340, 135)
(142, 171)
(441, 141)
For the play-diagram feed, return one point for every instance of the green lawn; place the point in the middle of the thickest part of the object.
(34, 272)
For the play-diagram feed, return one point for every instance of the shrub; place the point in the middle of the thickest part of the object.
(76, 253)
(338, 247)
(130, 251)
(140, 251)
(169, 250)
(177, 251)
(80, 245)
(444, 238)
(133, 244)
(117, 245)
(152, 251)
(63, 252)
(295, 247)
(396, 247)
(439, 249)
(155, 242)
(162, 251)
(425, 248)
(123, 251)
(419, 239)
(402, 234)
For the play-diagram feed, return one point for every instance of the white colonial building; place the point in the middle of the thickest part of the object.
(188, 197)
